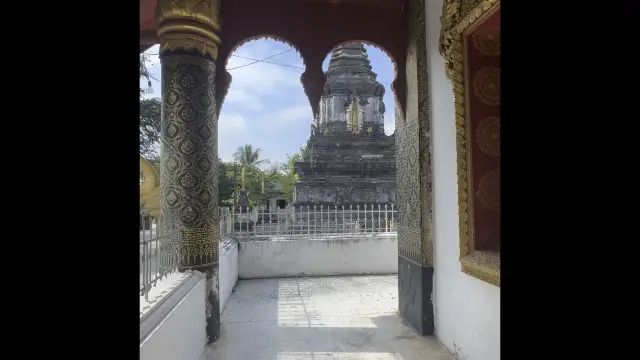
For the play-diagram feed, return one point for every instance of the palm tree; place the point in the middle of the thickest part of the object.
(248, 158)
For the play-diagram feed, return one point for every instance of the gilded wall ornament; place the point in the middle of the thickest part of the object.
(451, 13)
(413, 150)
(488, 135)
(486, 85)
(481, 265)
(487, 42)
(189, 25)
(489, 190)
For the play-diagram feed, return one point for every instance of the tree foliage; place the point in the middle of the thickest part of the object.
(150, 110)
(149, 126)
(226, 186)
(289, 175)
(248, 158)
(261, 184)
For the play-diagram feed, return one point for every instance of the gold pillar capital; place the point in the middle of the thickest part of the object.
(188, 25)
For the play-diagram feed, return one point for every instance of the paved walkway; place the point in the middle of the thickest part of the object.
(323, 318)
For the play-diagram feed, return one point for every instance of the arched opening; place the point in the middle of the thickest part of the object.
(263, 122)
(347, 183)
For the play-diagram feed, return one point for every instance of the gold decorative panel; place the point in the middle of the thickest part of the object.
(413, 150)
(470, 44)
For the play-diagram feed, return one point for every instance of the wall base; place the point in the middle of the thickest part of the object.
(415, 288)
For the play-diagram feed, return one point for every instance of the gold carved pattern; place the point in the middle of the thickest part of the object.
(454, 21)
(486, 85)
(488, 135)
(199, 247)
(477, 15)
(424, 128)
(487, 42)
(189, 25)
(482, 265)
(468, 5)
(414, 196)
(451, 12)
(489, 190)
(189, 152)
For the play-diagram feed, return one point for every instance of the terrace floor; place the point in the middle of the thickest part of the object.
(350, 317)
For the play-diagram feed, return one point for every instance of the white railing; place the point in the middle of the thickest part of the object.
(308, 219)
(159, 249)
(160, 238)
(158, 256)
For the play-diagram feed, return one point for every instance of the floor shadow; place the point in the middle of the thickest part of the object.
(351, 317)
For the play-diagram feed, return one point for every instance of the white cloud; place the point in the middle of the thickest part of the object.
(266, 105)
(230, 123)
(263, 78)
(389, 123)
(247, 100)
(232, 128)
(285, 117)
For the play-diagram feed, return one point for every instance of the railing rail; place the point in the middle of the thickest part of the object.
(159, 257)
(160, 235)
(308, 219)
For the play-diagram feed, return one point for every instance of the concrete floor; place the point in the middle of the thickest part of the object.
(351, 317)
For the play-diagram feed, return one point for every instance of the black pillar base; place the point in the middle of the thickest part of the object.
(415, 287)
(213, 305)
(212, 301)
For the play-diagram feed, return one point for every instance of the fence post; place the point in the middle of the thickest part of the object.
(350, 215)
(392, 224)
(308, 219)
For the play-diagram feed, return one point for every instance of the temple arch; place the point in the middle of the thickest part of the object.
(265, 105)
(225, 77)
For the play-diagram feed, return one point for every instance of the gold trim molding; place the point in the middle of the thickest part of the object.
(189, 25)
(457, 21)
(482, 265)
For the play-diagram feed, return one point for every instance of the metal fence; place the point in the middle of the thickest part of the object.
(159, 236)
(159, 249)
(158, 256)
(308, 219)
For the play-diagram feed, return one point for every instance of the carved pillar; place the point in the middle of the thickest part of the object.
(414, 195)
(188, 30)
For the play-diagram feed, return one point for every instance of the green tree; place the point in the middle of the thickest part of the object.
(149, 116)
(249, 160)
(289, 175)
(226, 187)
(149, 126)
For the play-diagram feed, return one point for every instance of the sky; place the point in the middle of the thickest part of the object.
(266, 105)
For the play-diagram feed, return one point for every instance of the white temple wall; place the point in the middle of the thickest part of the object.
(467, 310)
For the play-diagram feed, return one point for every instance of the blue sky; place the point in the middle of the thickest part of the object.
(266, 105)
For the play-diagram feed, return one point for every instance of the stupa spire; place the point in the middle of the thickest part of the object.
(350, 58)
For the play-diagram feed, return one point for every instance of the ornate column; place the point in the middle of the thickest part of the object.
(188, 32)
(414, 194)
